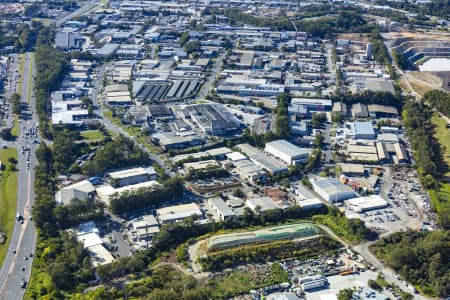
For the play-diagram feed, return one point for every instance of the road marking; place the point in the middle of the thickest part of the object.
(27, 223)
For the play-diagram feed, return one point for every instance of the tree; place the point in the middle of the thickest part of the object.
(238, 193)
(345, 294)
(318, 119)
(16, 105)
(6, 134)
(193, 46)
(184, 38)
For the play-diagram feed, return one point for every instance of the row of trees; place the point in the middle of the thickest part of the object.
(51, 65)
(370, 97)
(427, 150)
(207, 174)
(117, 153)
(282, 121)
(353, 230)
(439, 100)
(430, 164)
(278, 250)
(345, 21)
(421, 258)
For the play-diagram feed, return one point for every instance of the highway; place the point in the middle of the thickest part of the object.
(17, 266)
(83, 9)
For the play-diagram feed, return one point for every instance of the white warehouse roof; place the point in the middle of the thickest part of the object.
(332, 190)
(362, 204)
(286, 151)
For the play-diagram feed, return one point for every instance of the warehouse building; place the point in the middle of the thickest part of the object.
(221, 208)
(360, 130)
(382, 111)
(249, 171)
(177, 213)
(132, 176)
(313, 282)
(143, 228)
(359, 110)
(362, 204)
(262, 204)
(81, 190)
(104, 192)
(201, 165)
(88, 234)
(352, 169)
(313, 104)
(212, 118)
(332, 190)
(170, 140)
(305, 198)
(287, 152)
(272, 165)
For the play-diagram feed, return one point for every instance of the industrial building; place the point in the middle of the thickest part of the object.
(359, 110)
(148, 91)
(218, 153)
(143, 228)
(361, 130)
(104, 192)
(201, 165)
(262, 204)
(287, 152)
(221, 208)
(160, 112)
(272, 165)
(132, 176)
(177, 213)
(88, 234)
(313, 282)
(332, 190)
(212, 118)
(313, 104)
(249, 171)
(170, 140)
(382, 111)
(81, 190)
(362, 204)
(352, 169)
(305, 198)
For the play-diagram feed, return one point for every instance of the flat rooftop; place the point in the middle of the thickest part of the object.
(132, 172)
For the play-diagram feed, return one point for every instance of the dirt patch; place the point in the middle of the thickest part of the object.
(428, 77)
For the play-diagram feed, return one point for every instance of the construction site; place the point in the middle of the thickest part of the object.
(428, 58)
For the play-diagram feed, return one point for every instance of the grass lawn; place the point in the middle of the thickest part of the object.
(15, 130)
(235, 283)
(8, 193)
(92, 135)
(443, 136)
(21, 66)
(441, 197)
(30, 77)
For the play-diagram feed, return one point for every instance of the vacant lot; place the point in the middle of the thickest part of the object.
(92, 135)
(8, 193)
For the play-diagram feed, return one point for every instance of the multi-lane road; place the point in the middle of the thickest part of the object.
(17, 265)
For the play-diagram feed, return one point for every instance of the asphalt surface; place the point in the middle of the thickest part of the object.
(83, 9)
(23, 239)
